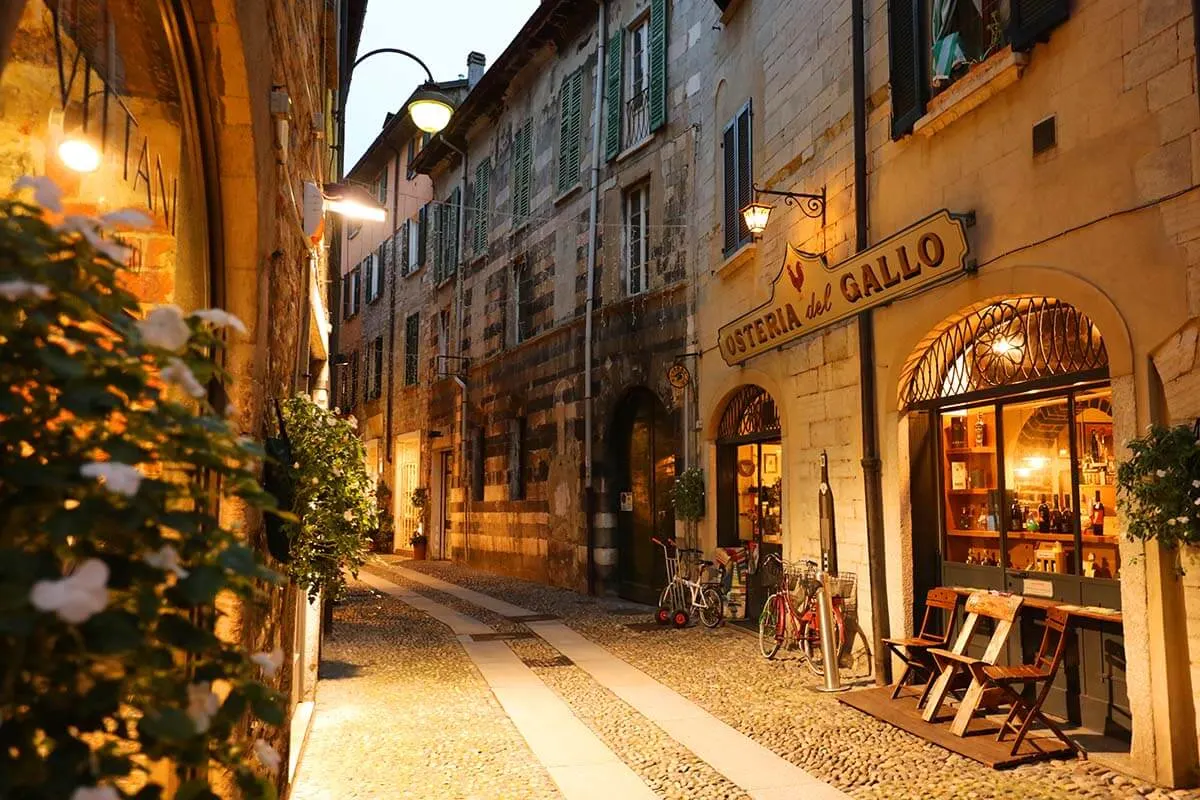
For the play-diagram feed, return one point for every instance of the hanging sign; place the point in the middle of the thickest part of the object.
(808, 295)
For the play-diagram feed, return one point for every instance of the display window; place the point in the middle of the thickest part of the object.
(760, 492)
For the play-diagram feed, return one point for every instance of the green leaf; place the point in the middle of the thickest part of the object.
(201, 585)
(240, 559)
(168, 724)
(179, 632)
(112, 632)
(196, 789)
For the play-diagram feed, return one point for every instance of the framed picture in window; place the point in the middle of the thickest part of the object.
(770, 463)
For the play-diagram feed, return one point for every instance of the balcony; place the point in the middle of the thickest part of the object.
(637, 119)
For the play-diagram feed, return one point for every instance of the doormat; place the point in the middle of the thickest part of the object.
(499, 637)
(548, 663)
(532, 618)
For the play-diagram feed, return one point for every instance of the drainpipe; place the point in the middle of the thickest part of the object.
(871, 464)
(391, 376)
(459, 279)
(589, 491)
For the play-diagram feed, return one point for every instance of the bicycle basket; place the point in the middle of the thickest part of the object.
(770, 574)
(801, 576)
(845, 586)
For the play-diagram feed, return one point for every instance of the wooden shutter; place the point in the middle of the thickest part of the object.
(422, 234)
(438, 247)
(658, 64)
(612, 95)
(570, 119)
(345, 297)
(729, 146)
(369, 277)
(906, 55)
(400, 247)
(522, 171)
(1032, 20)
(452, 231)
(483, 175)
(745, 171)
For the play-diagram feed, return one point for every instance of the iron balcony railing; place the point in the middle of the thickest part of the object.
(637, 118)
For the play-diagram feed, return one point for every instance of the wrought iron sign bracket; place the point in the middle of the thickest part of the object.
(811, 205)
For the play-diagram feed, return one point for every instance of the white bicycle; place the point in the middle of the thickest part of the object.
(686, 592)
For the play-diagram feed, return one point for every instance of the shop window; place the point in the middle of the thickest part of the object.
(1039, 498)
(972, 501)
(1095, 469)
(760, 492)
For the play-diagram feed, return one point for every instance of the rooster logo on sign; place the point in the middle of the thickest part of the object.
(796, 275)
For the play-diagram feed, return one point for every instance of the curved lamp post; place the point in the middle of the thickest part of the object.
(430, 109)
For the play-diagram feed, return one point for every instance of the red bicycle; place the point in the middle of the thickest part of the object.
(790, 617)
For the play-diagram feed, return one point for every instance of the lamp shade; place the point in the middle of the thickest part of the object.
(756, 216)
(430, 110)
(353, 202)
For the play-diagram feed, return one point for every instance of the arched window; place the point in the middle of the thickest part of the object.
(750, 413)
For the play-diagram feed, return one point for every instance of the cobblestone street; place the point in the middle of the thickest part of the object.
(403, 709)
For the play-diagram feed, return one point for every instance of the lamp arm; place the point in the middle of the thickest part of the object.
(397, 51)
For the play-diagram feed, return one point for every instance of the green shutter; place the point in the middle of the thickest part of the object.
(906, 57)
(658, 64)
(483, 172)
(522, 158)
(453, 234)
(1030, 21)
(435, 226)
(570, 111)
(422, 235)
(612, 96)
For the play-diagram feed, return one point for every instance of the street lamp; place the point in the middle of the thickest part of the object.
(430, 109)
(756, 214)
(352, 202)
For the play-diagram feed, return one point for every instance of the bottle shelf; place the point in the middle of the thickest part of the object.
(974, 533)
(966, 451)
(982, 491)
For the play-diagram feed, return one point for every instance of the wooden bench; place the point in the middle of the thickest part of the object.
(914, 650)
(1000, 608)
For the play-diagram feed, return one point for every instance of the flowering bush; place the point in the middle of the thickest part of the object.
(112, 554)
(1159, 486)
(334, 498)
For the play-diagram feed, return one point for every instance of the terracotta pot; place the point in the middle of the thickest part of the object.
(420, 551)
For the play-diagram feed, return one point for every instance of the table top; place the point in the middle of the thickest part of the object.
(1098, 613)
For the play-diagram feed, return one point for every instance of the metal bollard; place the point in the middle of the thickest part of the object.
(833, 680)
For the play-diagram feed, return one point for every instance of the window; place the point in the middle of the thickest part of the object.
(412, 339)
(637, 222)
(351, 284)
(516, 459)
(376, 368)
(933, 42)
(570, 118)
(383, 260)
(371, 272)
(522, 169)
(739, 178)
(522, 300)
(415, 231)
(480, 202)
(401, 252)
(381, 187)
(635, 81)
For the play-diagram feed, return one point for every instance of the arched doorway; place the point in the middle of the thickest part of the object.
(1013, 479)
(750, 482)
(645, 447)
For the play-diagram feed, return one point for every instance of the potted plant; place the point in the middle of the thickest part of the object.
(687, 496)
(1159, 486)
(419, 541)
(383, 533)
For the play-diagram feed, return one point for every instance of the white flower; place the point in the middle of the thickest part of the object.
(164, 327)
(349, 515)
(126, 217)
(331, 421)
(337, 471)
(180, 374)
(230, 411)
(1197, 503)
(18, 289)
(45, 191)
(1172, 521)
(166, 558)
(1162, 473)
(267, 755)
(95, 793)
(118, 478)
(315, 482)
(353, 420)
(202, 704)
(76, 597)
(89, 229)
(269, 662)
(219, 318)
(1196, 484)
(1183, 520)
(295, 465)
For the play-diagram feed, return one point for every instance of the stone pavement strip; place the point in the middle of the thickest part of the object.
(760, 772)
(582, 766)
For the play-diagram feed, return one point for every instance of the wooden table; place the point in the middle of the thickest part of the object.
(1097, 613)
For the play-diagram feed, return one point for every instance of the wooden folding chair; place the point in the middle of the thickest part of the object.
(914, 650)
(1000, 608)
(1043, 670)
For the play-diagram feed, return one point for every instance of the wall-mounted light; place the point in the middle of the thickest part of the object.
(78, 150)
(352, 202)
(757, 214)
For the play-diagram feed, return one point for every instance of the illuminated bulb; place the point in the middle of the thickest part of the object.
(430, 114)
(756, 216)
(351, 209)
(1002, 347)
(79, 154)
(1036, 462)
(1023, 472)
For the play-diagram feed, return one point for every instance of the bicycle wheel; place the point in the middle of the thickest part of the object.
(810, 641)
(712, 610)
(769, 640)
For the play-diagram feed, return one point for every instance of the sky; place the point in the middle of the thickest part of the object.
(440, 33)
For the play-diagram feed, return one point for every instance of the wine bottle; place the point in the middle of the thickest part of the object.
(980, 431)
(1044, 516)
(1017, 516)
(1056, 523)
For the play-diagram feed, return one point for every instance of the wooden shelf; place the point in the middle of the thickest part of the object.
(967, 451)
(974, 533)
(971, 491)
(1038, 536)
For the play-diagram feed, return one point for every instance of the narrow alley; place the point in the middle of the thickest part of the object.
(441, 681)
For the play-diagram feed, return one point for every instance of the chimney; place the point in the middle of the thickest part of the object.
(476, 63)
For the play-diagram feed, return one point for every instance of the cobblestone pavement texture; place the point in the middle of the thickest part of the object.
(772, 702)
(401, 712)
